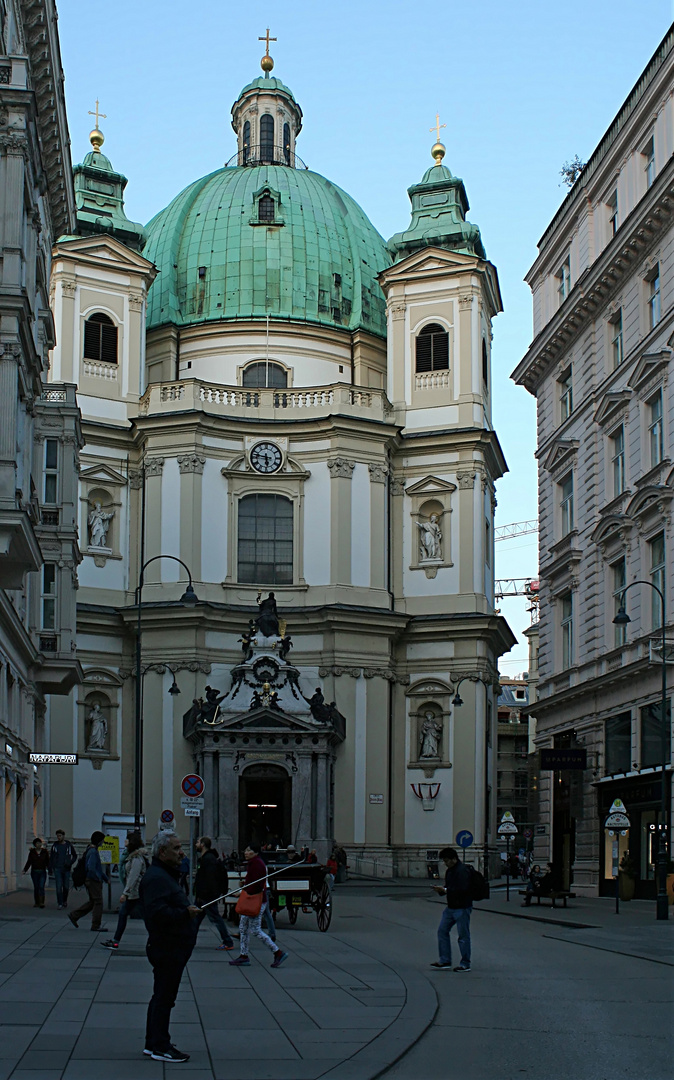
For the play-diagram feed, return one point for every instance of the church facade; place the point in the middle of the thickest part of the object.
(294, 417)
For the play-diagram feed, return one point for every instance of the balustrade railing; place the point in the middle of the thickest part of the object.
(191, 393)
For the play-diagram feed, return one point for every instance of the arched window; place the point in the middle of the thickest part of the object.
(100, 338)
(264, 373)
(286, 143)
(267, 139)
(265, 553)
(246, 143)
(265, 209)
(432, 348)
(485, 363)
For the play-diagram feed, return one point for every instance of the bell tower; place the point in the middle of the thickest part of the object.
(266, 119)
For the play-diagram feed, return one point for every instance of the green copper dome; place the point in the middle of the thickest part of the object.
(220, 257)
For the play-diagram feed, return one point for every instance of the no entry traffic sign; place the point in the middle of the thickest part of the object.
(167, 817)
(192, 785)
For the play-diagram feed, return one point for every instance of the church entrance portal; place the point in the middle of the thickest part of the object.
(265, 800)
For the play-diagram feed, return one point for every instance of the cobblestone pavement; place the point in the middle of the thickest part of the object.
(70, 1010)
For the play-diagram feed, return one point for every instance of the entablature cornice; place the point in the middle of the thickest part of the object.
(598, 283)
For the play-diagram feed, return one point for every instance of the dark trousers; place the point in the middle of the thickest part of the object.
(93, 904)
(168, 967)
(62, 882)
(125, 909)
(39, 881)
(219, 923)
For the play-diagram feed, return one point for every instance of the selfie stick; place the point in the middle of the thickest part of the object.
(241, 887)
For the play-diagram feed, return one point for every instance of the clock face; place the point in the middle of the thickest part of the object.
(265, 457)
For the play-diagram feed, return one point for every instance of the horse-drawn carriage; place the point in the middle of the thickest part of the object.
(293, 887)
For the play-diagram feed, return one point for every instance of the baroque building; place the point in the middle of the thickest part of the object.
(600, 367)
(276, 401)
(40, 434)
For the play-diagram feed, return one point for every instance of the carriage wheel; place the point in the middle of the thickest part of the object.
(292, 913)
(323, 907)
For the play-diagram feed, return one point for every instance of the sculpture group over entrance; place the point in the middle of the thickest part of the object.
(264, 748)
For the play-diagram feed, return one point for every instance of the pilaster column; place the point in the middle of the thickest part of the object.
(467, 553)
(228, 803)
(154, 467)
(378, 540)
(9, 404)
(341, 472)
(191, 472)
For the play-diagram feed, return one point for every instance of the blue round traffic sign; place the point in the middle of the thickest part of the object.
(464, 838)
(167, 817)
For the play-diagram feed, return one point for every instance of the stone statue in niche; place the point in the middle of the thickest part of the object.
(430, 734)
(430, 539)
(267, 620)
(98, 728)
(99, 523)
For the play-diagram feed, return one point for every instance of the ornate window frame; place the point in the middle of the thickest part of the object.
(241, 480)
(433, 380)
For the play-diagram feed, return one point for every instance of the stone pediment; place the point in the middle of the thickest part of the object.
(430, 485)
(265, 719)
(611, 407)
(103, 474)
(562, 455)
(649, 369)
(431, 261)
(611, 530)
(104, 247)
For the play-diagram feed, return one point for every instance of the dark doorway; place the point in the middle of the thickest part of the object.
(265, 793)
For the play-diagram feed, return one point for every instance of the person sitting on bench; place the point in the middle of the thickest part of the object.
(539, 884)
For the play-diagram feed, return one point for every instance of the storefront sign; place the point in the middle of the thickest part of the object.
(52, 759)
(563, 759)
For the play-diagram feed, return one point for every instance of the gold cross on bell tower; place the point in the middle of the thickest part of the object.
(96, 137)
(266, 63)
(436, 127)
(438, 151)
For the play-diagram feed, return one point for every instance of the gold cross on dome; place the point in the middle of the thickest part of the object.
(97, 114)
(436, 127)
(267, 39)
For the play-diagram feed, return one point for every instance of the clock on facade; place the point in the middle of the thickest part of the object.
(265, 457)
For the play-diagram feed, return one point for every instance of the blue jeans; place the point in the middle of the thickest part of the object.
(450, 916)
(268, 918)
(219, 923)
(39, 881)
(125, 909)
(62, 882)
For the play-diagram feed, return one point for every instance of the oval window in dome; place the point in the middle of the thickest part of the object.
(265, 374)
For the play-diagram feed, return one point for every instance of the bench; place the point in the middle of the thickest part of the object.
(561, 894)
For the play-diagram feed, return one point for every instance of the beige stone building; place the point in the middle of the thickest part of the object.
(39, 425)
(600, 366)
(284, 402)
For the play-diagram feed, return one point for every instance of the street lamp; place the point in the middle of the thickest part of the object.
(622, 619)
(188, 599)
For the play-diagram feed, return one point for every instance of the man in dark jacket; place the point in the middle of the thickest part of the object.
(62, 858)
(211, 882)
(95, 878)
(172, 924)
(457, 889)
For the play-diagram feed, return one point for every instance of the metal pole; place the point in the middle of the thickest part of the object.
(191, 873)
(138, 763)
(617, 877)
(508, 868)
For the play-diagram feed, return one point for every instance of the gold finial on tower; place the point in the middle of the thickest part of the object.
(438, 151)
(266, 63)
(96, 137)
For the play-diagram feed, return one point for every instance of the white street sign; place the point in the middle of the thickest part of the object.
(192, 811)
(196, 803)
(507, 828)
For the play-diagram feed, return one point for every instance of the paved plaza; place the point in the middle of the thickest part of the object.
(576, 994)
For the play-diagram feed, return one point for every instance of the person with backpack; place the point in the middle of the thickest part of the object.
(89, 867)
(137, 862)
(458, 889)
(62, 858)
(212, 881)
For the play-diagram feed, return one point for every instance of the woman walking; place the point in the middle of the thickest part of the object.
(254, 886)
(38, 863)
(137, 862)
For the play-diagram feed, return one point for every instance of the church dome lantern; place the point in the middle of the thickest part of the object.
(267, 120)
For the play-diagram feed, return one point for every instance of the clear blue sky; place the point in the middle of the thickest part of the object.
(522, 87)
